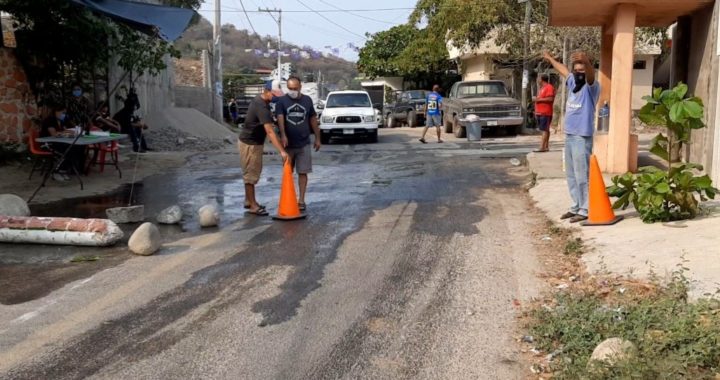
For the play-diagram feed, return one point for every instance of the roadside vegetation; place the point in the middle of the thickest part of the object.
(671, 337)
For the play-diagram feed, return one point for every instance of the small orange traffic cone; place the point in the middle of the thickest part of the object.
(600, 212)
(288, 208)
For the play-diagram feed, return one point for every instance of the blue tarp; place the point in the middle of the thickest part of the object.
(168, 22)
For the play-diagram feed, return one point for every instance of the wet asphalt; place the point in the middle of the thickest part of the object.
(401, 270)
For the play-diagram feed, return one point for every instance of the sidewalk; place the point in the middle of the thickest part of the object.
(632, 247)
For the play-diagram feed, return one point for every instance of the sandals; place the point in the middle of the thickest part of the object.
(248, 206)
(541, 150)
(302, 206)
(259, 212)
(423, 141)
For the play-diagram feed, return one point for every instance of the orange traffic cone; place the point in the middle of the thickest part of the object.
(600, 212)
(288, 209)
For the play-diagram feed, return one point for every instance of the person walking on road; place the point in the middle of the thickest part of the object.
(433, 119)
(297, 118)
(258, 125)
(233, 108)
(579, 128)
(544, 110)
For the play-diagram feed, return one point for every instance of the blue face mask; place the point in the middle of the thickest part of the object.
(77, 93)
(62, 116)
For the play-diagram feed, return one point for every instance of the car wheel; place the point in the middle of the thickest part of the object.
(390, 121)
(373, 137)
(458, 130)
(448, 125)
(412, 119)
(325, 140)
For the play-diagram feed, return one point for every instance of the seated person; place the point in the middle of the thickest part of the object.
(131, 124)
(54, 126)
(102, 119)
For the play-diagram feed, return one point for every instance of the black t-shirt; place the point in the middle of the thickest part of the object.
(258, 114)
(297, 113)
(232, 106)
(124, 118)
(50, 122)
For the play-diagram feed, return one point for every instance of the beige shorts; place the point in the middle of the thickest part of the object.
(251, 162)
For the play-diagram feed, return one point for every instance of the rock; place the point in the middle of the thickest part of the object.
(208, 216)
(171, 215)
(145, 240)
(132, 214)
(12, 205)
(229, 139)
(612, 350)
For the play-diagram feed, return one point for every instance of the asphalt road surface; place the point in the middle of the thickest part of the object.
(407, 266)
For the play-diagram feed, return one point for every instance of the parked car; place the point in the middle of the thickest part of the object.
(348, 114)
(409, 109)
(489, 100)
(243, 103)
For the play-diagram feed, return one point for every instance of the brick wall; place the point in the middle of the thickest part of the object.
(17, 103)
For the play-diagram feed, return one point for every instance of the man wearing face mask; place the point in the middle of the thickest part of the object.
(258, 125)
(79, 108)
(297, 118)
(583, 96)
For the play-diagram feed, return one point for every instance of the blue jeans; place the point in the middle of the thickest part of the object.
(577, 162)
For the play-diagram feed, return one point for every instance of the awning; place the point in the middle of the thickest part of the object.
(168, 22)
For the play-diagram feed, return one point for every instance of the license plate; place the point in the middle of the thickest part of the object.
(348, 131)
(492, 123)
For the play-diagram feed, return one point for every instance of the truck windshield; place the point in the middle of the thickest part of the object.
(417, 94)
(479, 90)
(348, 100)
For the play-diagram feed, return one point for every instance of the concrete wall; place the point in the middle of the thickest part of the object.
(155, 92)
(479, 67)
(642, 81)
(17, 103)
(199, 98)
(703, 70)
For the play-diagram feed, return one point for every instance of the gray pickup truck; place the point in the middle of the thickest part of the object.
(488, 99)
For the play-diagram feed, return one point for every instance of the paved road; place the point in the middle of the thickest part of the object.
(407, 267)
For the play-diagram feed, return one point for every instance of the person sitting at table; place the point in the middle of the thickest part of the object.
(132, 125)
(54, 126)
(79, 108)
(102, 119)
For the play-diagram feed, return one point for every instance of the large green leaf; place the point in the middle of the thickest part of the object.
(680, 90)
(677, 113)
(703, 182)
(662, 188)
(659, 147)
(657, 92)
(692, 109)
(650, 99)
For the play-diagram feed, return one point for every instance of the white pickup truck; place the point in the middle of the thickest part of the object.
(348, 114)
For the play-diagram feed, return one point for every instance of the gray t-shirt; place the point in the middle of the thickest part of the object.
(297, 113)
(253, 130)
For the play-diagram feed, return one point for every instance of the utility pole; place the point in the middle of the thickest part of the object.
(526, 63)
(217, 64)
(278, 20)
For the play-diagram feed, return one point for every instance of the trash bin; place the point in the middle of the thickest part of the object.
(473, 128)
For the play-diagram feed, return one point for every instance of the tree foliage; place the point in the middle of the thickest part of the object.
(59, 42)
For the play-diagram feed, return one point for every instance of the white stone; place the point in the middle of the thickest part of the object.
(171, 215)
(208, 216)
(132, 214)
(613, 349)
(145, 240)
(12, 205)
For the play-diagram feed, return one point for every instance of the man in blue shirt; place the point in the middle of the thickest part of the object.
(297, 120)
(433, 119)
(583, 94)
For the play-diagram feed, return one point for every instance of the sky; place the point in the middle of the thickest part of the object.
(353, 18)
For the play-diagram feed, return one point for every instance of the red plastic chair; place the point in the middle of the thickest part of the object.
(102, 150)
(41, 158)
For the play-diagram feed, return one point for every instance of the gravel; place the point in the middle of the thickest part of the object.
(167, 139)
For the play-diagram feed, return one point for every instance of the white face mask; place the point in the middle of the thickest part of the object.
(293, 94)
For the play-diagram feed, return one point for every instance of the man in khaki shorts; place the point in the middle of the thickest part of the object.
(258, 125)
(297, 119)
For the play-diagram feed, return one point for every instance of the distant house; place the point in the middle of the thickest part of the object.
(379, 87)
(481, 63)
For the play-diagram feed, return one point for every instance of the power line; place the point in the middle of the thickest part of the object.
(310, 10)
(329, 20)
(248, 17)
(357, 15)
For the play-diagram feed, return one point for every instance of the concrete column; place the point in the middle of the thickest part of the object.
(621, 92)
(600, 143)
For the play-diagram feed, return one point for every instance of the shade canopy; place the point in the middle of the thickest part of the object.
(658, 13)
(168, 22)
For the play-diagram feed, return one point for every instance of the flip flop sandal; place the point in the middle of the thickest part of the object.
(248, 206)
(259, 212)
(541, 150)
(423, 141)
(302, 206)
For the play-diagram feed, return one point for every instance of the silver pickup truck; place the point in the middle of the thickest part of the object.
(487, 99)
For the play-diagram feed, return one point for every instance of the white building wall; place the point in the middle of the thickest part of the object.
(642, 81)
(479, 67)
